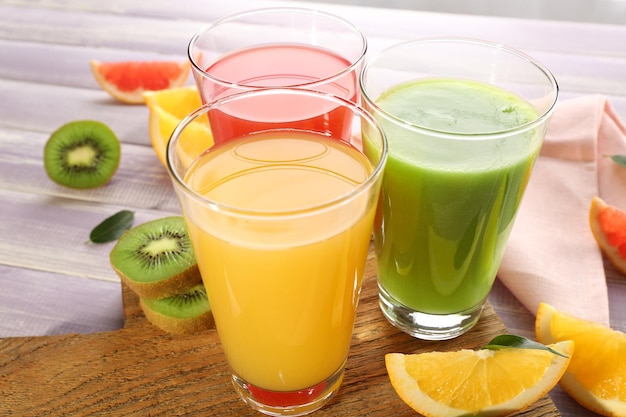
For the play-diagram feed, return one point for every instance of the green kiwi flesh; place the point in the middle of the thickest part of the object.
(185, 313)
(155, 259)
(82, 154)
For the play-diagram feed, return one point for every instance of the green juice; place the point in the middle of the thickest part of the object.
(449, 200)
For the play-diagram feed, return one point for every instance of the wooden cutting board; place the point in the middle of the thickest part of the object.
(141, 371)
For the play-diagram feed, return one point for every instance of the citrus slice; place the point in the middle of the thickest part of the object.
(476, 382)
(127, 80)
(167, 108)
(596, 376)
(608, 225)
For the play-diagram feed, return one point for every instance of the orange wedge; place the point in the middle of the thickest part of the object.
(596, 376)
(167, 108)
(476, 383)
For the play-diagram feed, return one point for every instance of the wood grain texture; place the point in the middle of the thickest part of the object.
(139, 370)
(44, 303)
(53, 285)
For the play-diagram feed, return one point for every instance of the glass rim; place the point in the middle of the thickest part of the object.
(277, 10)
(541, 117)
(356, 109)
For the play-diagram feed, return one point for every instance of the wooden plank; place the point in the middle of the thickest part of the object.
(381, 22)
(44, 108)
(36, 303)
(141, 181)
(68, 65)
(67, 27)
(203, 11)
(581, 74)
(142, 371)
(51, 234)
(616, 285)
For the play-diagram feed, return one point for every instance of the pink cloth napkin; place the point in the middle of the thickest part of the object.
(552, 256)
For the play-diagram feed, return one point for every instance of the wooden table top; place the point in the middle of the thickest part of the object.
(55, 284)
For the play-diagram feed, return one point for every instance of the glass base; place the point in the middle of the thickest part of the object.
(424, 325)
(289, 403)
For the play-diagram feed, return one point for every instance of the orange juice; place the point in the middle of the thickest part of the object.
(283, 283)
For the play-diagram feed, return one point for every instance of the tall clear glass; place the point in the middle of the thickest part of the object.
(281, 220)
(465, 120)
(278, 47)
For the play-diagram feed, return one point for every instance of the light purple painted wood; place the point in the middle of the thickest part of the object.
(51, 281)
(34, 303)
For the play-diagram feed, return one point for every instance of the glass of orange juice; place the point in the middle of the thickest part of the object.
(278, 47)
(280, 220)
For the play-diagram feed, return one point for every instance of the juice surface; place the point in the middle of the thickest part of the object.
(284, 65)
(449, 205)
(279, 65)
(283, 293)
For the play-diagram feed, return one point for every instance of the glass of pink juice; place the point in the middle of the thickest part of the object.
(280, 220)
(278, 47)
(465, 121)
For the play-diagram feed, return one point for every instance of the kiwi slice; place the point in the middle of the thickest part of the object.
(184, 313)
(82, 154)
(155, 259)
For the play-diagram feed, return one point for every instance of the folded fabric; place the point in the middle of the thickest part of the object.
(551, 255)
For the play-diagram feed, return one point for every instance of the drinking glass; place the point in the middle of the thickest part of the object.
(280, 221)
(278, 47)
(465, 120)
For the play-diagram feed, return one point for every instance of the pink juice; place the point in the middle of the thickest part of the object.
(280, 65)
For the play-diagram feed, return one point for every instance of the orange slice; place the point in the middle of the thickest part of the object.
(483, 382)
(167, 108)
(127, 81)
(608, 225)
(596, 376)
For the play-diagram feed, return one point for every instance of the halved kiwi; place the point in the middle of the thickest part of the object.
(82, 154)
(155, 259)
(185, 313)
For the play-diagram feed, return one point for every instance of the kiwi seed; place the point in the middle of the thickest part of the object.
(155, 259)
(82, 154)
(185, 313)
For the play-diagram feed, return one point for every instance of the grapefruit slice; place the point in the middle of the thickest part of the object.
(126, 81)
(608, 225)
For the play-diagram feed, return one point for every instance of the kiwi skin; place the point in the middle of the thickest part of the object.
(155, 259)
(82, 154)
(184, 313)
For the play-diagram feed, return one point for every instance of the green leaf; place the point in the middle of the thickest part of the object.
(618, 159)
(510, 340)
(112, 227)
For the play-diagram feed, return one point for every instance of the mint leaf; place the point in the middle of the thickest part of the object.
(112, 227)
(618, 159)
(510, 340)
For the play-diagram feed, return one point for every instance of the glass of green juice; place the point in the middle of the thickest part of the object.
(465, 120)
(280, 221)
